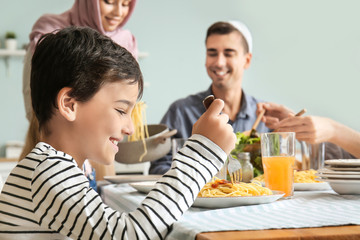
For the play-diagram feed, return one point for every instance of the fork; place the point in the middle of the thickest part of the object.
(234, 166)
(234, 169)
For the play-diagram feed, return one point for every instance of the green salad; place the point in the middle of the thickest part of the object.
(245, 143)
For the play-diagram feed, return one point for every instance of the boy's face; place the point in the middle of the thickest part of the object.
(103, 121)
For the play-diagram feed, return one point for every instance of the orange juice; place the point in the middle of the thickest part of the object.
(279, 173)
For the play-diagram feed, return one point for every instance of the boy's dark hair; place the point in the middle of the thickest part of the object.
(224, 28)
(79, 58)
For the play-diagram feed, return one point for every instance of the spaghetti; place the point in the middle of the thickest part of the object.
(223, 188)
(304, 176)
(141, 132)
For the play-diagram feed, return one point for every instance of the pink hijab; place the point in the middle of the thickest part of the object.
(84, 13)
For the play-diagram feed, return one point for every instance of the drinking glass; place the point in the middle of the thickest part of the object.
(313, 155)
(278, 157)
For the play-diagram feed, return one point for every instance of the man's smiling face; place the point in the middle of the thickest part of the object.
(226, 59)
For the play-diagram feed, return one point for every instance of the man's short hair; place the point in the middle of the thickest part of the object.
(79, 58)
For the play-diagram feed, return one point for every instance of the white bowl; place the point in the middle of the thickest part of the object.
(158, 144)
(344, 187)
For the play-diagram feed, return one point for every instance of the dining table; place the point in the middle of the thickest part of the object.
(315, 214)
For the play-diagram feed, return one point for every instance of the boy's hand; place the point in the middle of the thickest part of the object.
(215, 127)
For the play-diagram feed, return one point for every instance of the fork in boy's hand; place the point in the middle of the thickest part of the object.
(234, 166)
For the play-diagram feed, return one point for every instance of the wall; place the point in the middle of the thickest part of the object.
(306, 53)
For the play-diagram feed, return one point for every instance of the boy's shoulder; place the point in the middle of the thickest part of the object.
(45, 154)
(46, 165)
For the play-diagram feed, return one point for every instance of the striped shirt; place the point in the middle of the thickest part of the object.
(47, 196)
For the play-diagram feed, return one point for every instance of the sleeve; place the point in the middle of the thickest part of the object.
(64, 202)
(333, 151)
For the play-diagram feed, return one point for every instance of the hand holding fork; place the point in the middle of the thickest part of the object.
(234, 166)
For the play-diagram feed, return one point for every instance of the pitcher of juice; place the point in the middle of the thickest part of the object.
(278, 158)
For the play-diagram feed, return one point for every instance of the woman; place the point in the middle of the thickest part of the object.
(107, 17)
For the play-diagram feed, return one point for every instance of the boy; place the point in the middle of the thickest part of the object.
(83, 88)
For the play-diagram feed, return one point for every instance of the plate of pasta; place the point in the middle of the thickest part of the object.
(304, 180)
(220, 193)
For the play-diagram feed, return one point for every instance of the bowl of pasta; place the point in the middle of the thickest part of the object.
(150, 147)
(147, 143)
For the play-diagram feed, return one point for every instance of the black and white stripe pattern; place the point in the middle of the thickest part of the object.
(47, 196)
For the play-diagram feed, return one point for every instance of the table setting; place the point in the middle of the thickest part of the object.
(305, 209)
(308, 205)
(316, 196)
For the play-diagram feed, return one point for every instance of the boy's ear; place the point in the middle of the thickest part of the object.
(66, 104)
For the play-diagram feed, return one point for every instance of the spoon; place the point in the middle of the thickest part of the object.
(301, 112)
(252, 133)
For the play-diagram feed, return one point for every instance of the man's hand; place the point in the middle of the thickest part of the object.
(274, 113)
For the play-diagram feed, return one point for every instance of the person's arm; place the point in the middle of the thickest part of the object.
(313, 129)
(64, 203)
(346, 138)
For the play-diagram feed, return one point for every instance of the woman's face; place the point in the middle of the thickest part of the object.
(113, 13)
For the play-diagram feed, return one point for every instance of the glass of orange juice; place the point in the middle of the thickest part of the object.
(278, 158)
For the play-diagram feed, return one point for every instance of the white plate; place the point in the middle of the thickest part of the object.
(355, 169)
(311, 186)
(131, 178)
(346, 187)
(343, 162)
(326, 176)
(143, 187)
(225, 202)
(329, 171)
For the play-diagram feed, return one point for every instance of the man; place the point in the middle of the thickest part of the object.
(228, 55)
